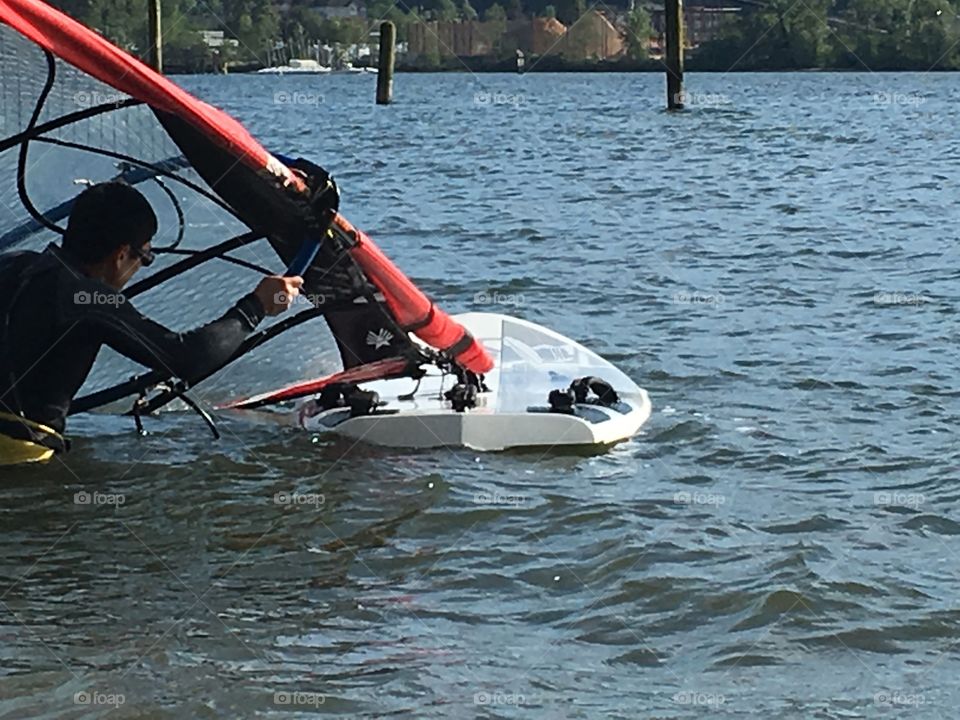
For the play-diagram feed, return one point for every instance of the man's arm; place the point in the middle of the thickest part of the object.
(191, 354)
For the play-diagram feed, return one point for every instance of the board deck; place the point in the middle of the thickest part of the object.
(530, 361)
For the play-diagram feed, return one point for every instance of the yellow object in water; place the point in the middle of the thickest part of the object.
(16, 451)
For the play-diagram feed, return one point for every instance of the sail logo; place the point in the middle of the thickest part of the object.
(379, 339)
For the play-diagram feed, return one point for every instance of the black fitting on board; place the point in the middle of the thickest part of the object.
(582, 387)
(462, 396)
(338, 395)
(563, 401)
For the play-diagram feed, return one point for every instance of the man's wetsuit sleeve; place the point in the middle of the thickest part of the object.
(188, 355)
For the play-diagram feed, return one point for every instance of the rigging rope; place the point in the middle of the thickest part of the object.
(24, 146)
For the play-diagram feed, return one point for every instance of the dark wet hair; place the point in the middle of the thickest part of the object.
(105, 217)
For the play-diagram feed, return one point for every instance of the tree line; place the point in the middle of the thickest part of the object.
(841, 34)
(265, 35)
(764, 35)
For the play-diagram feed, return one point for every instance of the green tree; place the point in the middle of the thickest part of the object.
(125, 23)
(446, 10)
(344, 31)
(866, 34)
(932, 35)
(253, 23)
(569, 11)
(467, 11)
(495, 13)
(310, 22)
(549, 12)
(381, 10)
(778, 35)
(638, 32)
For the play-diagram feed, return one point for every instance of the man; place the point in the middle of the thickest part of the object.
(58, 307)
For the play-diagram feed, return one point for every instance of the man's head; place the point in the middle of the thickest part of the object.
(109, 231)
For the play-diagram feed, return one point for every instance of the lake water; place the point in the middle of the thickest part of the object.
(778, 266)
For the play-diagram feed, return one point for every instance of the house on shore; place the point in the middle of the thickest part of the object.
(593, 37)
(330, 9)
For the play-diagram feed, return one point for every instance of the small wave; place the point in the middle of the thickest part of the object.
(687, 430)
(867, 639)
(933, 523)
(776, 605)
(817, 523)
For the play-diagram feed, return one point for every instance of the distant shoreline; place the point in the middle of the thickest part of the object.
(616, 70)
(558, 65)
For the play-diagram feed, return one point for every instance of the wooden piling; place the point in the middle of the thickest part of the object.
(388, 42)
(155, 55)
(673, 37)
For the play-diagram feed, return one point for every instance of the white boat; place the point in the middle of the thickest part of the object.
(515, 411)
(349, 69)
(297, 66)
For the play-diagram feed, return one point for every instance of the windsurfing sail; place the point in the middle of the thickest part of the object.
(76, 109)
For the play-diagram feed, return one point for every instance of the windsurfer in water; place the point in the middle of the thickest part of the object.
(58, 307)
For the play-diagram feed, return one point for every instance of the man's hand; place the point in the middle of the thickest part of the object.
(276, 293)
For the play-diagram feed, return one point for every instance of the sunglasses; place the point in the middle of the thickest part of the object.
(146, 257)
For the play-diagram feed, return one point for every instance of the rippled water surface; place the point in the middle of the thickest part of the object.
(777, 266)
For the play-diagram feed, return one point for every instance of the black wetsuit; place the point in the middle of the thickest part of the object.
(58, 319)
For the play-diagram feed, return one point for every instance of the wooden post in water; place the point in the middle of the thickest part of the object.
(155, 56)
(673, 36)
(388, 43)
